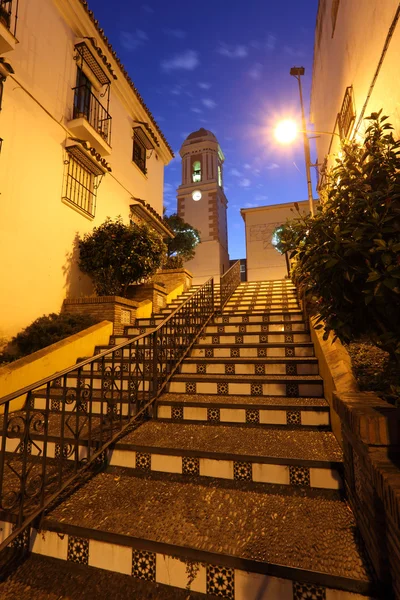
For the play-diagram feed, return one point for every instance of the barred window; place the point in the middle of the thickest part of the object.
(347, 114)
(80, 187)
(139, 153)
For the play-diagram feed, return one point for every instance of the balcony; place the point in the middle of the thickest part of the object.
(90, 120)
(8, 25)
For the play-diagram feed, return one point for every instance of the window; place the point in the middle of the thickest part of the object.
(139, 153)
(196, 175)
(219, 176)
(80, 186)
(82, 95)
(87, 105)
(242, 268)
(347, 114)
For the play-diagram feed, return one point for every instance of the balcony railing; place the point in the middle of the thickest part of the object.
(86, 105)
(9, 15)
(70, 419)
(229, 282)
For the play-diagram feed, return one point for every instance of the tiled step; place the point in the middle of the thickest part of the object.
(295, 412)
(283, 456)
(252, 350)
(240, 544)
(260, 317)
(250, 366)
(254, 385)
(47, 578)
(260, 327)
(254, 338)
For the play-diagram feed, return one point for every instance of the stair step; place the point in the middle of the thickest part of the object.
(254, 338)
(263, 411)
(238, 328)
(279, 350)
(39, 576)
(250, 366)
(245, 541)
(259, 317)
(254, 385)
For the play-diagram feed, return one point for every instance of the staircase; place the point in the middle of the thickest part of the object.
(233, 491)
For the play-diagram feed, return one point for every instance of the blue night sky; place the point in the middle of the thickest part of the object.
(223, 66)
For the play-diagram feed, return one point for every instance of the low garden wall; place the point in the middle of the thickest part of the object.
(368, 429)
(120, 311)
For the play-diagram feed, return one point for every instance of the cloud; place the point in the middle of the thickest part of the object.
(196, 110)
(184, 134)
(204, 85)
(260, 198)
(256, 71)
(209, 103)
(271, 42)
(131, 41)
(148, 9)
(238, 51)
(176, 33)
(250, 205)
(245, 183)
(272, 166)
(295, 52)
(235, 173)
(247, 166)
(187, 60)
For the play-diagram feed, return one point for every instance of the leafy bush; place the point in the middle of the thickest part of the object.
(44, 331)
(347, 257)
(182, 247)
(116, 255)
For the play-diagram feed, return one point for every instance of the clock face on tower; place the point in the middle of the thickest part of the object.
(196, 195)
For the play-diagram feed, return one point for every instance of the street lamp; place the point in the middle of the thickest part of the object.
(297, 72)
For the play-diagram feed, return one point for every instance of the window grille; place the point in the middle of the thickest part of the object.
(347, 114)
(80, 187)
(2, 80)
(139, 153)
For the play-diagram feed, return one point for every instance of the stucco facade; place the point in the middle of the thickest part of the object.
(264, 262)
(41, 213)
(357, 45)
(203, 204)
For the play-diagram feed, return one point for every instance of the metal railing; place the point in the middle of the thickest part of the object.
(88, 106)
(229, 282)
(9, 15)
(69, 419)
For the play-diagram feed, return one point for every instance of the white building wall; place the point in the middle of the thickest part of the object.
(264, 262)
(37, 230)
(350, 57)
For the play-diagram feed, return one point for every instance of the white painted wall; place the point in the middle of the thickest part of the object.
(350, 57)
(263, 261)
(37, 230)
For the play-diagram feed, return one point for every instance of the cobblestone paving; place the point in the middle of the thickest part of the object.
(308, 533)
(306, 445)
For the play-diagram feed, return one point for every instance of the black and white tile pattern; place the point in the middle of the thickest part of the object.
(308, 591)
(252, 415)
(190, 387)
(190, 465)
(229, 369)
(143, 461)
(221, 582)
(293, 417)
(213, 414)
(256, 389)
(299, 476)
(78, 550)
(144, 565)
(242, 471)
(209, 352)
(177, 413)
(292, 390)
(222, 388)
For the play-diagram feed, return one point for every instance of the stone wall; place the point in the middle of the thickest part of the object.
(120, 311)
(371, 446)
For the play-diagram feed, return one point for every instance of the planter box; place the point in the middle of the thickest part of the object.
(154, 292)
(120, 311)
(173, 278)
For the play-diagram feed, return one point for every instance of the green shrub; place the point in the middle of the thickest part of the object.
(347, 257)
(182, 246)
(116, 255)
(46, 330)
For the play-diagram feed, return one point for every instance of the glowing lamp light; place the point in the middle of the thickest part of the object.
(286, 131)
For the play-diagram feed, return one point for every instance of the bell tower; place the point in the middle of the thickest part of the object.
(202, 203)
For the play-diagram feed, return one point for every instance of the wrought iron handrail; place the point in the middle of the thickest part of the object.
(9, 15)
(70, 418)
(88, 106)
(229, 282)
